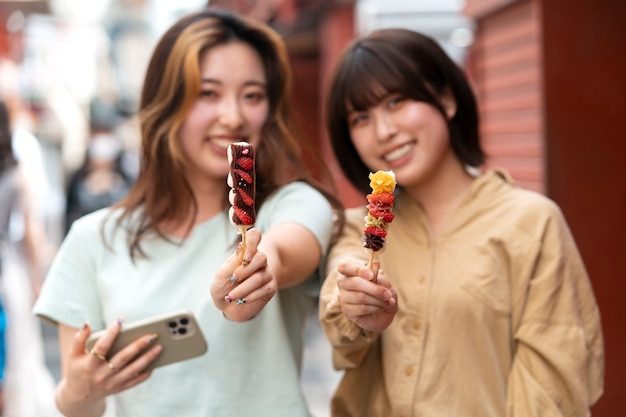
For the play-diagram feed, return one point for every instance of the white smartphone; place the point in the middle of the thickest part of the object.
(178, 331)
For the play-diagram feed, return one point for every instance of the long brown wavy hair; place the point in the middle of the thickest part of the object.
(172, 83)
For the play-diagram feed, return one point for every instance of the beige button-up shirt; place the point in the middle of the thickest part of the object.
(496, 317)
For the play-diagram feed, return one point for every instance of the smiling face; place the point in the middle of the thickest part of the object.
(407, 136)
(414, 66)
(232, 106)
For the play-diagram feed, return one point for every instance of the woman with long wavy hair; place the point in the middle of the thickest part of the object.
(214, 79)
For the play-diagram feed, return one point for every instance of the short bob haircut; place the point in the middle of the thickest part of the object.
(401, 61)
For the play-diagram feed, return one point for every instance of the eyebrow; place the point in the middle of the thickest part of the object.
(247, 83)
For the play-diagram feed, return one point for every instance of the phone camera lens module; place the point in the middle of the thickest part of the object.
(182, 330)
(184, 321)
(172, 324)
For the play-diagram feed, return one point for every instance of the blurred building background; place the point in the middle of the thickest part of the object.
(549, 76)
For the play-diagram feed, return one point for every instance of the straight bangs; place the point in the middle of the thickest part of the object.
(368, 77)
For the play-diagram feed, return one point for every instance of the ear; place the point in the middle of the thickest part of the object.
(448, 103)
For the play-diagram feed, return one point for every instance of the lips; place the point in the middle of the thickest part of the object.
(399, 152)
(223, 141)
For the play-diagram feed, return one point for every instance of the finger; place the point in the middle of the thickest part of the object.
(242, 257)
(224, 276)
(354, 269)
(104, 343)
(255, 264)
(136, 380)
(132, 350)
(138, 364)
(359, 290)
(250, 294)
(382, 280)
(246, 269)
(247, 307)
(252, 239)
(250, 278)
(360, 298)
(354, 311)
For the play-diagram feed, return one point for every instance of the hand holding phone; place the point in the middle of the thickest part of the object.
(178, 333)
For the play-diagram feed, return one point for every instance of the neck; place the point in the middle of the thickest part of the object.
(210, 198)
(440, 195)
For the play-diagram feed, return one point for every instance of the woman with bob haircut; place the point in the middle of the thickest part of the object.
(214, 79)
(482, 305)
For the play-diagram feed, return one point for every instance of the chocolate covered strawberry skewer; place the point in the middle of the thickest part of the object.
(242, 181)
(380, 204)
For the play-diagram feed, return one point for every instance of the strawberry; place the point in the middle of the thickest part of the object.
(244, 175)
(388, 217)
(381, 212)
(243, 217)
(245, 163)
(245, 197)
(376, 231)
(385, 198)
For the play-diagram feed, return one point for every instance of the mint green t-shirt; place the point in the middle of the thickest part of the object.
(250, 368)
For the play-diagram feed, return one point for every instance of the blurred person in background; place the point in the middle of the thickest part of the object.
(27, 384)
(26, 146)
(483, 306)
(214, 79)
(100, 182)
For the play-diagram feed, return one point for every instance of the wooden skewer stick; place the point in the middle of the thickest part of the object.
(373, 266)
(242, 230)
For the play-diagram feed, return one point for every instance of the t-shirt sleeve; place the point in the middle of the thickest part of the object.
(69, 294)
(302, 204)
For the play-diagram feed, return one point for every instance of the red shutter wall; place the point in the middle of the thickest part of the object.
(580, 112)
(506, 71)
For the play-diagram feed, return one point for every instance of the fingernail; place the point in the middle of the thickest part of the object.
(228, 299)
(232, 278)
(119, 322)
(152, 338)
(246, 259)
(241, 301)
(86, 326)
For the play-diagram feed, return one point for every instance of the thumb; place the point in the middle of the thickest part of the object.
(251, 241)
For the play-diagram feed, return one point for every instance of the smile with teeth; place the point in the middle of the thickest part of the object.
(224, 142)
(398, 152)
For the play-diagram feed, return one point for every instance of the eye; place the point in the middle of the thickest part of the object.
(395, 101)
(209, 93)
(255, 96)
(356, 119)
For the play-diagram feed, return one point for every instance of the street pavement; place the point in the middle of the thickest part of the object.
(319, 379)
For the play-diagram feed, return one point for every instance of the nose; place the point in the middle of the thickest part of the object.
(384, 125)
(230, 114)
